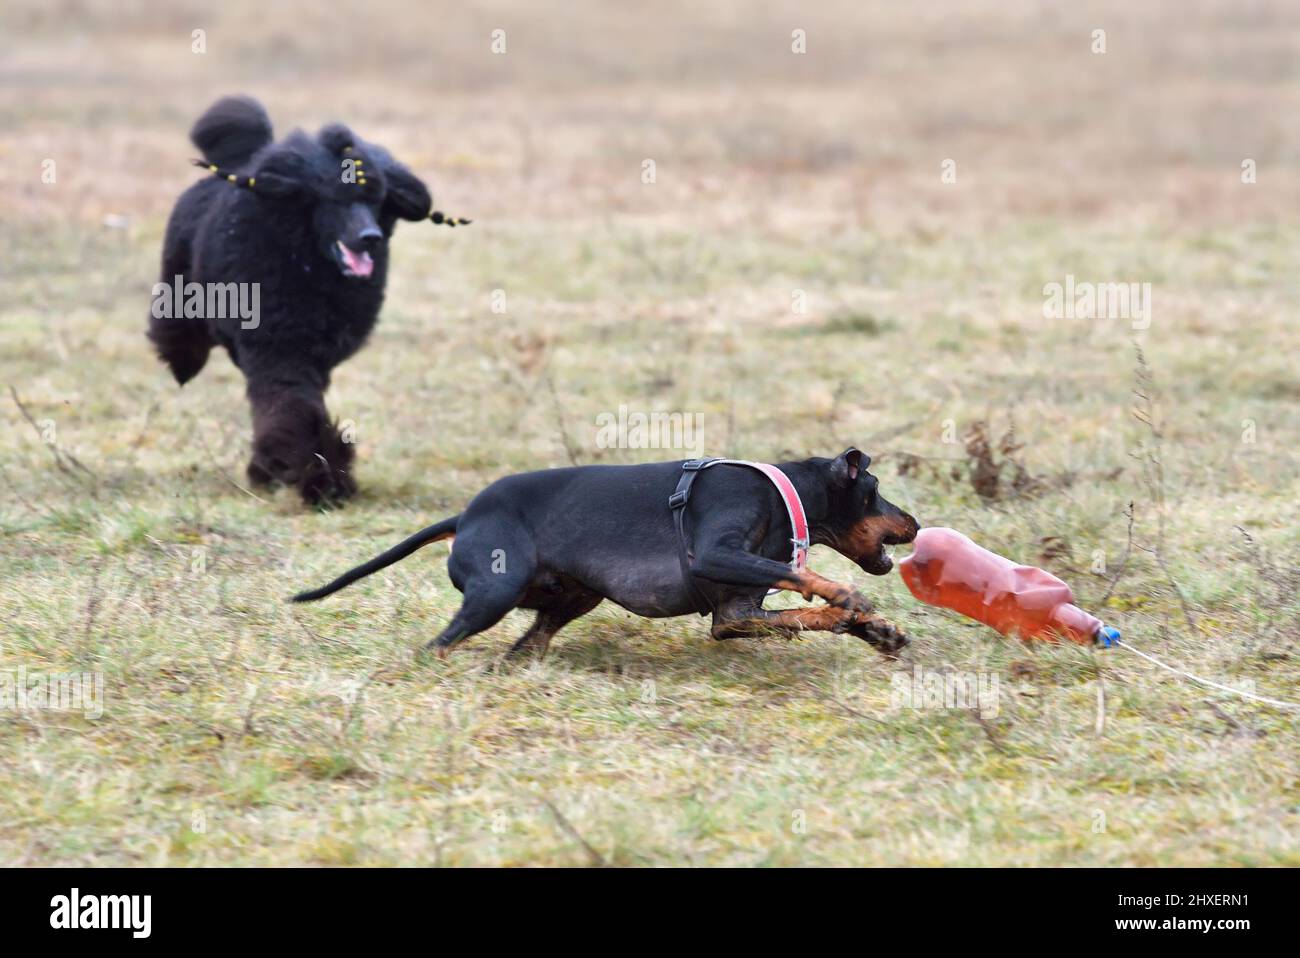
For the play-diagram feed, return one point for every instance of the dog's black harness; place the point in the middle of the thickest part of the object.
(691, 468)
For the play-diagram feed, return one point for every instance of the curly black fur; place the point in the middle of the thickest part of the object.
(312, 232)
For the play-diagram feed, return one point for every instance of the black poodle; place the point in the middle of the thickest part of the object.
(281, 258)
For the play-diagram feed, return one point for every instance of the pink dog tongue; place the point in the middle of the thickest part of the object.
(359, 263)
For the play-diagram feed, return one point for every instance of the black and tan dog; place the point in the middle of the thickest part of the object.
(561, 540)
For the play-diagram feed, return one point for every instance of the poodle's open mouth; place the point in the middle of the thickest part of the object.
(359, 265)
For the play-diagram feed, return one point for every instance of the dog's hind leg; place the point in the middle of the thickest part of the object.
(493, 565)
(484, 606)
(182, 342)
(550, 620)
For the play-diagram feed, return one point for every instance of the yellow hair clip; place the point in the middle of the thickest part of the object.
(441, 218)
(228, 177)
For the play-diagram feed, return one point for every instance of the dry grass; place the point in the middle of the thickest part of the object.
(308, 736)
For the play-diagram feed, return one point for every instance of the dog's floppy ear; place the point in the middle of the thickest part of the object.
(848, 465)
(281, 172)
(407, 197)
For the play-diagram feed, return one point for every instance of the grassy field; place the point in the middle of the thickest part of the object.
(800, 275)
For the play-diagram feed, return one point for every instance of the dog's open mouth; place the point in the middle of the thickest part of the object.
(359, 265)
(878, 562)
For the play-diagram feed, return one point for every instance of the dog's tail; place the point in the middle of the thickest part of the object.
(231, 131)
(436, 532)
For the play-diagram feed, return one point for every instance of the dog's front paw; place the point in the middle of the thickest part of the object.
(325, 484)
(880, 634)
(853, 601)
(327, 493)
(267, 472)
